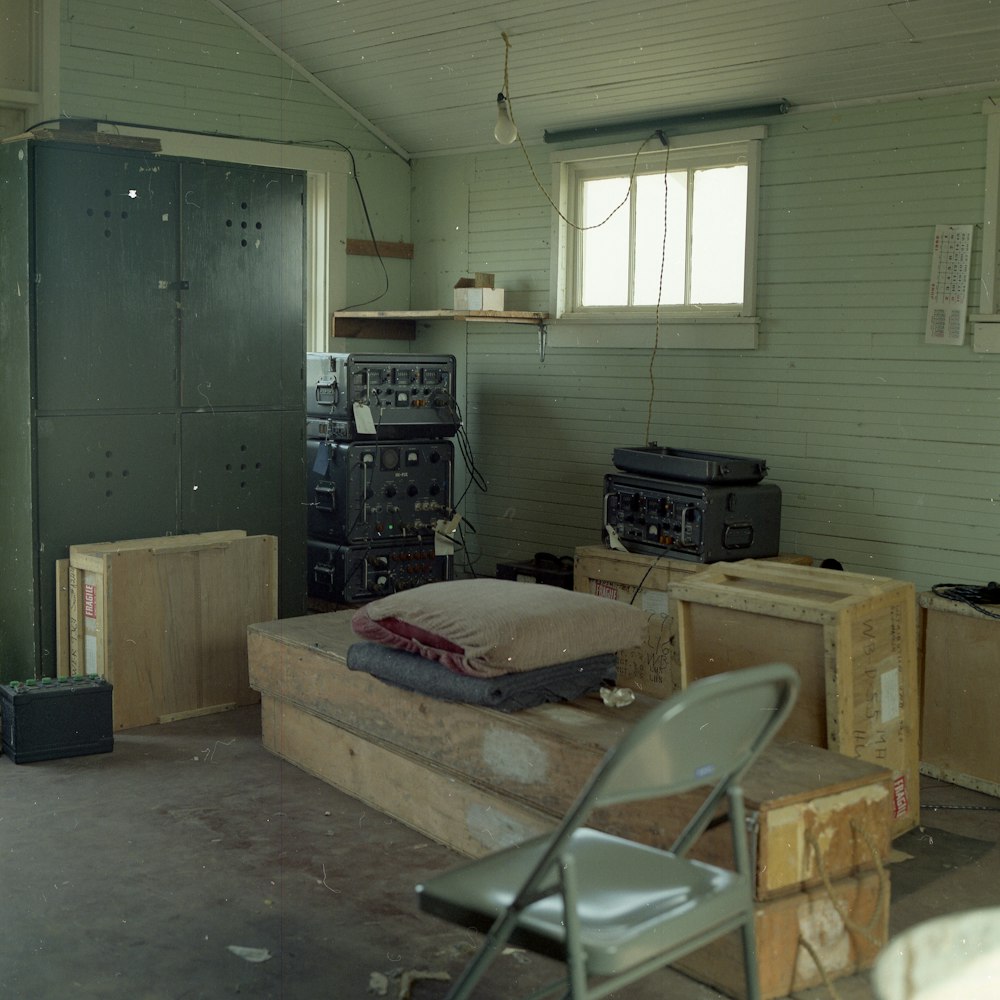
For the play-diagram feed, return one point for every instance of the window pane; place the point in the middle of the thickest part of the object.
(718, 234)
(604, 250)
(649, 248)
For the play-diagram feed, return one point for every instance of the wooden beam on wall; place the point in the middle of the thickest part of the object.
(381, 248)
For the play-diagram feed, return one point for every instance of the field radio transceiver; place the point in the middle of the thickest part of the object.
(695, 521)
(381, 396)
(363, 492)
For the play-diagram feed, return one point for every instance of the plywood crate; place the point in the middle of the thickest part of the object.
(164, 620)
(476, 779)
(959, 740)
(644, 581)
(844, 924)
(852, 639)
(812, 815)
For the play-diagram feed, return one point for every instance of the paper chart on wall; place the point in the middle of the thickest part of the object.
(948, 301)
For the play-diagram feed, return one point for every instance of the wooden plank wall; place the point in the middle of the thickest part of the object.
(183, 63)
(885, 447)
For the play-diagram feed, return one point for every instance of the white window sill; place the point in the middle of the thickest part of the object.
(688, 333)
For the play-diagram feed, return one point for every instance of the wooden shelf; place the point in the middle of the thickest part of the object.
(401, 324)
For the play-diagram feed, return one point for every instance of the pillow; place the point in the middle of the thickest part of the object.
(488, 627)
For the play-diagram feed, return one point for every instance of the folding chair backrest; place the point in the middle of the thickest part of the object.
(702, 736)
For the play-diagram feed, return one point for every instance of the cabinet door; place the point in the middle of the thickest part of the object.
(105, 279)
(101, 478)
(245, 469)
(243, 339)
(231, 470)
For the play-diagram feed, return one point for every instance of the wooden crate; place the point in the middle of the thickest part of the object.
(852, 639)
(842, 946)
(164, 620)
(959, 741)
(476, 779)
(644, 581)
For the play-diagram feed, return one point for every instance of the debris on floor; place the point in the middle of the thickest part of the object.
(250, 954)
(378, 982)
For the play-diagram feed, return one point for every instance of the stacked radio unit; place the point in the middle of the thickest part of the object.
(380, 471)
(691, 505)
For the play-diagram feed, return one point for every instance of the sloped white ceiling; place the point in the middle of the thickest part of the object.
(426, 72)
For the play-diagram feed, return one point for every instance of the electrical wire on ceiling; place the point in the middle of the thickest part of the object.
(531, 166)
(317, 144)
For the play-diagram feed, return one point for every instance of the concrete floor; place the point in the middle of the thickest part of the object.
(129, 875)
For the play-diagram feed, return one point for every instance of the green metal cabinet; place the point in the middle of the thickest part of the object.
(151, 365)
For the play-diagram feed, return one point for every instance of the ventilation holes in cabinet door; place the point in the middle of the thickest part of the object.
(248, 229)
(244, 467)
(105, 478)
(110, 210)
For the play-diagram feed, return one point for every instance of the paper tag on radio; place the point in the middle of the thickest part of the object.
(363, 418)
(613, 540)
(444, 535)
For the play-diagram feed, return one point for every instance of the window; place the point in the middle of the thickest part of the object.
(29, 64)
(681, 244)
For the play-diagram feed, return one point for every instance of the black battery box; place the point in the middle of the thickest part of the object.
(56, 717)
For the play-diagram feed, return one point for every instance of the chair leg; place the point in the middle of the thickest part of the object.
(496, 938)
(749, 937)
(575, 958)
(473, 972)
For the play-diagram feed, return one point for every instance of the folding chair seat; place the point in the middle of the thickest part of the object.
(612, 909)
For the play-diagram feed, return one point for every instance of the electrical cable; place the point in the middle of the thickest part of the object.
(631, 182)
(971, 595)
(639, 586)
(531, 166)
(659, 299)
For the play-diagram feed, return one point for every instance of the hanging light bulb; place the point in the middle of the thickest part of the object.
(505, 130)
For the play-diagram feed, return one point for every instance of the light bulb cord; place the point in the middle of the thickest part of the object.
(658, 134)
(531, 166)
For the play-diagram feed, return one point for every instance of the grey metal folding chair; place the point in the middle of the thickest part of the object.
(612, 909)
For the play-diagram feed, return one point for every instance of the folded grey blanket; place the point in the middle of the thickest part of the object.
(507, 693)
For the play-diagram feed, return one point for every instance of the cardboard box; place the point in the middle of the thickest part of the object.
(644, 581)
(478, 294)
(164, 620)
(852, 639)
(959, 739)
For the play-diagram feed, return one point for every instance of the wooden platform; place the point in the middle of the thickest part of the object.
(525, 768)
(477, 779)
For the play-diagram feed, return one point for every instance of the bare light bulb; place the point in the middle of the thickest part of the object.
(505, 130)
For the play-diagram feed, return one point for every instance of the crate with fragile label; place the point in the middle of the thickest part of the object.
(164, 620)
(852, 638)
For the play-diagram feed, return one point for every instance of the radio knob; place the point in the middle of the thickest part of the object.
(390, 490)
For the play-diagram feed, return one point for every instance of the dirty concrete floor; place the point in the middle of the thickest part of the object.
(128, 876)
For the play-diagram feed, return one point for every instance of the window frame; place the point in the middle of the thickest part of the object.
(723, 325)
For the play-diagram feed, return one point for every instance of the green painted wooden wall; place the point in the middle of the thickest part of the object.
(887, 449)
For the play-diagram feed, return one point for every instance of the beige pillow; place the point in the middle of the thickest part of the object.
(488, 627)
